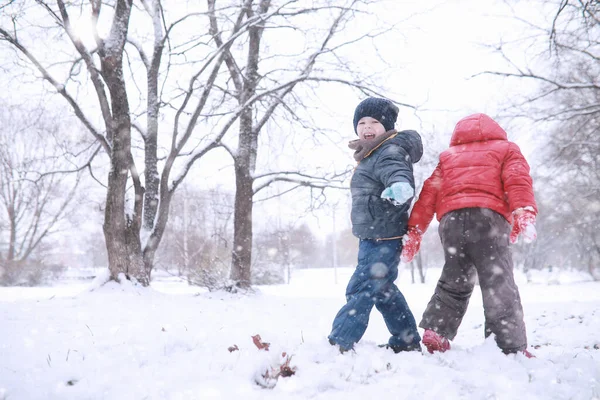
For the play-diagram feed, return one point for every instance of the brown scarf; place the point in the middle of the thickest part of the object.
(362, 148)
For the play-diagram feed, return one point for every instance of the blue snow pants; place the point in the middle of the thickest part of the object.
(372, 284)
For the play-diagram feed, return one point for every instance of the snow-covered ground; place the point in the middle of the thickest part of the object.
(171, 342)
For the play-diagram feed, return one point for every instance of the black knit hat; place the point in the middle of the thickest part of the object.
(382, 110)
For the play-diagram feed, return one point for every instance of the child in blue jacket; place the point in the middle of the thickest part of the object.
(382, 188)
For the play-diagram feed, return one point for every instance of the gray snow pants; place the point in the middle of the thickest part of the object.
(475, 242)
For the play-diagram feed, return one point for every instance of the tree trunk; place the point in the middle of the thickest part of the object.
(13, 233)
(419, 262)
(242, 222)
(159, 229)
(593, 269)
(152, 181)
(245, 163)
(124, 249)
(121, 231)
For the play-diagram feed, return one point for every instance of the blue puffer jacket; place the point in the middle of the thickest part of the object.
(392, 161)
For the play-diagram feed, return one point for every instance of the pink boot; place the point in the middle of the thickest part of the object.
(434, 342)
(527, 354)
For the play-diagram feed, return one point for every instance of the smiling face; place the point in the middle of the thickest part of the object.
(369, 128)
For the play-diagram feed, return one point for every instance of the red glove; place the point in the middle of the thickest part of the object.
(523, 224)
(411, 244)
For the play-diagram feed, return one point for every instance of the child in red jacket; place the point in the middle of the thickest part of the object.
(480, 186)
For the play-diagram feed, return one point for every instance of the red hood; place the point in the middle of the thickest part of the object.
(476, 128)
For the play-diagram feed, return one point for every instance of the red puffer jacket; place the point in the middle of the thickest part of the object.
(480, 169)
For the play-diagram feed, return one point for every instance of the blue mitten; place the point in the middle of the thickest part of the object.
(398, 193)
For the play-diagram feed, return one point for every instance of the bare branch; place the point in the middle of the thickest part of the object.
(59, 88)
(299, 184)
(34, 242)
(319, 182)
(141, 52)
(7, 4)
(71, 171)
(234, 70)
(562, 6)
(219, 55)
(559, 85)
(87, 57)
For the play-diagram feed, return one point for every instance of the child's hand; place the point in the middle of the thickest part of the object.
(411, 244)
(398, 193)
(523, 224)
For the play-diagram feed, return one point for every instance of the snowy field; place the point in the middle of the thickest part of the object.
(85, 341)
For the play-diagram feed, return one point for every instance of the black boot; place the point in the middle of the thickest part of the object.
(342, 349)
(397, 349)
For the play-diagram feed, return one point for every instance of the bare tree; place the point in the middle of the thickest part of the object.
(277, 87)
(283, 248)
(35, 195)
(183, 106)
(197, 240)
